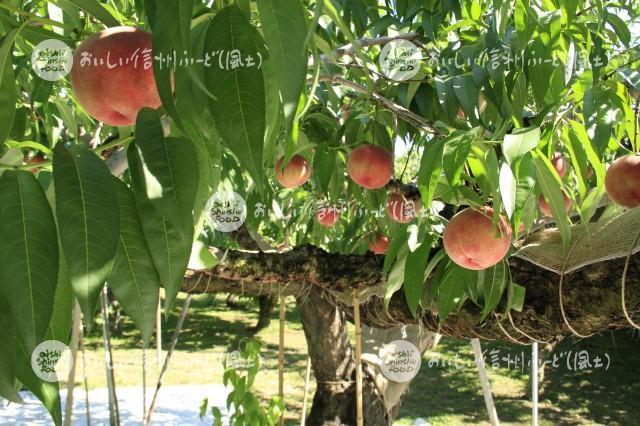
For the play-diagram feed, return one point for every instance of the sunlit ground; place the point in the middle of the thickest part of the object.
(445, 393)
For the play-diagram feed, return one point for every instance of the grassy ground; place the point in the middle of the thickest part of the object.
(446, 392)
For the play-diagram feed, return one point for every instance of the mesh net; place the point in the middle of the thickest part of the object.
(613, 236)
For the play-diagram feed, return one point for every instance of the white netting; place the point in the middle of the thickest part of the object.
(610, 238)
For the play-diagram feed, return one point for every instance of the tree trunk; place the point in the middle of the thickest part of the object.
(334, 402)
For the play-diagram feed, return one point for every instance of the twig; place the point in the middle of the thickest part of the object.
(172, 346)
(402, 112)
(352, 48)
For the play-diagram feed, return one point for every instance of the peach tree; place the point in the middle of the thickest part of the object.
(501, 118)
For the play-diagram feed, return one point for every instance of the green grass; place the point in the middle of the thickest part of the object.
(442, 393)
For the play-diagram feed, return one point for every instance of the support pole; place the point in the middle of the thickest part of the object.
(534, 383)
(356, 321)
(281, 355)
(159, 331)
(307, 379)
(114, 414)
(484, 382)
(71, 378)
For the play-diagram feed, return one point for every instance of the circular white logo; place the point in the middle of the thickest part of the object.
(226, 211)
(400, 60)
(400, 361)
(50, 360)
(52, 59)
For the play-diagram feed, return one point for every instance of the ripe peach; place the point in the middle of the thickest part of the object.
(295, 173)
(472, 242)
(546, 210)
(622, 181)
(112, 75)
(560, 163)
(401, 209)
(379, 243)
(328, 216)
(370, 166)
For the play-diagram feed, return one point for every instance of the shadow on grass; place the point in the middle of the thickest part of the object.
(592, 395)
(210, 323)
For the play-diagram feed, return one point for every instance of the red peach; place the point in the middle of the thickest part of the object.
(472, 242)
(295, 173)
(546, 210)
(327, 216)
(111, 77)
(370, 166)
(622, 181)
(560, 164)
(401, 209)
(379, 243)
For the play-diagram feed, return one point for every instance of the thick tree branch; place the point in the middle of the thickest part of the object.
(591, 294)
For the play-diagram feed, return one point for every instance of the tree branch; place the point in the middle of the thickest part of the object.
(404, 113)
(351, 48)
(591, 294)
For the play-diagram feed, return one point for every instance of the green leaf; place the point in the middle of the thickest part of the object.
(95, 9)
(239, 111)
(134, 279)
(396, 276)
(28, 254)
(398, 242)
(516, 296)
(170, 23)
(88, 220)
(451, 288)
(467, 93)
(8, 90)
(620, 27)
(525, 172)
(414, 274)
(284, 24)
(61, 318)
(170, 170)
(508, 189)
(46, 392)
(430, 169)
(520, 142)
(169, 246)
(600, 117)
(8, 98)
(494, 284)
(552, 191)
(7, 354)
(456, 150)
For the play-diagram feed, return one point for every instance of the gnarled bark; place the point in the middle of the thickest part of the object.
(592, 294)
